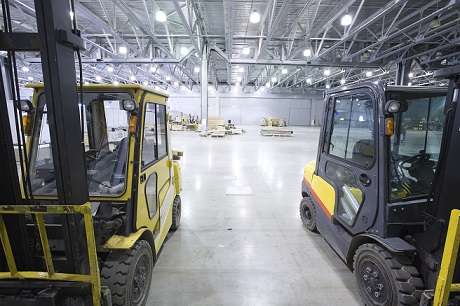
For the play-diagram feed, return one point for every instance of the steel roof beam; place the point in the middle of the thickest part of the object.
(186, 25)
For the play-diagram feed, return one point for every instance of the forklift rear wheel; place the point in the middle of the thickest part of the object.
(308, 214)
(128, 274)
(383, 280)
(176, 213)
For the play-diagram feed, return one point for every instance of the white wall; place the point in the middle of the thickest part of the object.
(248, 108)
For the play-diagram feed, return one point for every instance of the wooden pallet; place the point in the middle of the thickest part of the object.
(280, 132)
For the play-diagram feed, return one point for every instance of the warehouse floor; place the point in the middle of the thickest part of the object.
(247, 249)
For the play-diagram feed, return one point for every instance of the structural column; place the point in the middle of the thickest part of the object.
(402, 74)
(204, 87)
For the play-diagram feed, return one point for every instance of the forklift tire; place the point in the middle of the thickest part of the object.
(176, 213)
(308, 214)
(383, 280)
(128, 274)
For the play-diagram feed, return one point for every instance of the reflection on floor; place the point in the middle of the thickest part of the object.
(247, 249)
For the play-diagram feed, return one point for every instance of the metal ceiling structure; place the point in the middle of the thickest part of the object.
(168, 54)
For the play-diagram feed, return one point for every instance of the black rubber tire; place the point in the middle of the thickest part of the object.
(378, 272)
(308, 214)
(176, 213)
(128, 274)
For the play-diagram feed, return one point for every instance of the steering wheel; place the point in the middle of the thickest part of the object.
(411, 162)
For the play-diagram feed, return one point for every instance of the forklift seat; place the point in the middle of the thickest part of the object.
(363, 152)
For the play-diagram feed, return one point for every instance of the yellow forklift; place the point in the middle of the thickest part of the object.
(90, 185)
(383, 185)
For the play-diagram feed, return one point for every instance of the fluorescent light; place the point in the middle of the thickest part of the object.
(246, 50)
(369, 73)
(160, 16)
(238, 79)
(284, 71)
(309, 81)
(255, 17)
(196, 69)
(183, 50)
(327, 72)
(122, 50)
(241, 69)
(342, 81)
(346, 20)
(306, 52)
(132, 78)
(25, 69)
(98, 78)
(411, 74)
(145, 83)
(116, 83)
(30, 78)
(274, 79)
(110, 69)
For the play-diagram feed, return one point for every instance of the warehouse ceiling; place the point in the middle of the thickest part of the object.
(269, 55)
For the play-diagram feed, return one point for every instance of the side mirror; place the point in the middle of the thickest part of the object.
(393, 106)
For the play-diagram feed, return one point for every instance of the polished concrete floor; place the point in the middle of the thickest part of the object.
(247, 249)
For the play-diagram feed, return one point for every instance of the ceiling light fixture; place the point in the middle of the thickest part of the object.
(176, 83)
(86, 83)
(342, 81)
(307, 52)
(183, 50)
(30, 78)
(196, 69)
(238, 79)
(153, 69)
(25, 69)
(246, 50)
(369, 73)
(145, 83)
(110, 69)
(122, 50)
(274, 79)
(132, 78)
(168, 78)
(327, 72)
(255, 17)
(411, 74)
(435, 23)
(116, 83)
(328, 86)
(309, 81)
(160, 16)
(284, 71)
(346, 20)
(267, 84)
(409, 84)
(98, 78)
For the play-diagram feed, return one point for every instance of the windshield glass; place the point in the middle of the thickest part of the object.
(415, 146)
(106, 146)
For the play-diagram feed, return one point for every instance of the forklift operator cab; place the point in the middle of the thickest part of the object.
(376, 162)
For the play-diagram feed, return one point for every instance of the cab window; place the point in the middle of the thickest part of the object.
(352, 136)
(154, 143)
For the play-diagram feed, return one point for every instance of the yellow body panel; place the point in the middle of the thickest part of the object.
(177, 178)
(123, 243)
(321, 190)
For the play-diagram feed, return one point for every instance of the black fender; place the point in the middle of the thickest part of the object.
(394, 245)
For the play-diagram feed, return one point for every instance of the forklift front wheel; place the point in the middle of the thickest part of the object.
(176, 213)
(128, 274)
(383, 280)
(308, 214)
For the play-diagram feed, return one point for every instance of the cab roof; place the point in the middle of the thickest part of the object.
(110, 87)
